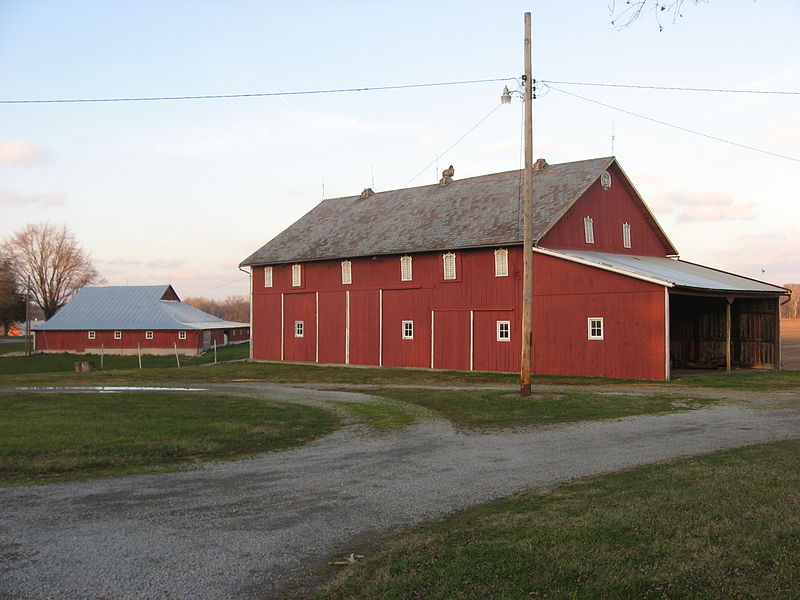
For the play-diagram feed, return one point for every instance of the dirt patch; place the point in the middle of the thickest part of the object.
(790, 344)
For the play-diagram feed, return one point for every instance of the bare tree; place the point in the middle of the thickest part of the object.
(625, 12)
(54, 261)
(791, 309)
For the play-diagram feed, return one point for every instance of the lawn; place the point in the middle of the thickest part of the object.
(14, 346)
(65, 363)
(719, 526)
(63, 435)
(493, 408)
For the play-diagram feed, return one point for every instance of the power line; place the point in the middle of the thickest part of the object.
(454, 144)
(678, 127)
(257, 95)
(673, 88)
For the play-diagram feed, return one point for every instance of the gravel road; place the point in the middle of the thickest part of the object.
(247, 529)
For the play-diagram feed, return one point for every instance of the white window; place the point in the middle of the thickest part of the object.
(148, 335)
(117, 335)
(504, 331)
(626, 235)
(405, 268)
(449, 265)
(588, 229)
(347, 272)
(297, 275)
(181, 335)
(408, 330)
(595, 328)
(299, 328)
(91, 335)
(267, 277)
(501, 262)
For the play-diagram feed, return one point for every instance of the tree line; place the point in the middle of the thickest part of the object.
(232, 308)
(791, 309)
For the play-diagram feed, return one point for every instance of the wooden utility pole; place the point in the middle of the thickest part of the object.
(527, 223)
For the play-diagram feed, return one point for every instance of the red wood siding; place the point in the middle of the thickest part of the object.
(163, 341)
(406, 305)
(609, 209)
(376, 303)
(332, 313)
(300, 307)
(634, 320)
(452, 340)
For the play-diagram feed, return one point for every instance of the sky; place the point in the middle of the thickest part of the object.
(182, 191)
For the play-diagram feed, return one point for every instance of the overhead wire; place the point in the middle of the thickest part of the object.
(672, 88)
(454, 144)
(678, 127)
(258, 95)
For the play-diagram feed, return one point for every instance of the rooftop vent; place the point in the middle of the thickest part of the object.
(539, 164)
(367, 193)
(447, 175)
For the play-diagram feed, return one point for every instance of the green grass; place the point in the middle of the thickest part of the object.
(757, 381)
(65, 363)
(60, 435)
(493, 408)
(718, 527)
(8, 348)
(380, 416)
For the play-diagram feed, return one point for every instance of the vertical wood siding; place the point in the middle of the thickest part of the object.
(609, 209)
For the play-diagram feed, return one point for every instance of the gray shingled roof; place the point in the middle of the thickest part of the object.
(677, 273)
(467, 213)
(130, 307)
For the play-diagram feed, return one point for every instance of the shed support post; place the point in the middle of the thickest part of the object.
(728, 322)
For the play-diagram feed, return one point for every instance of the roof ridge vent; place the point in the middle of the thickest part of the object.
(540, 164)
(447, 175)
(366, 193)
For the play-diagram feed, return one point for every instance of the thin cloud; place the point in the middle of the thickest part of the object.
(18, 152)
(767, 255)
(44, 200)
(704, 206)
(164, 264)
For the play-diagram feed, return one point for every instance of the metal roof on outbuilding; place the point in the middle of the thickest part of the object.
(468, 213)
(131, 308)
(673, 273)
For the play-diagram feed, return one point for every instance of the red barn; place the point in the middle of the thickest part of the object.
(150, 319)
(432, 277)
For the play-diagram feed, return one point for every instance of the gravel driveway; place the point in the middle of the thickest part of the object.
(247, 529)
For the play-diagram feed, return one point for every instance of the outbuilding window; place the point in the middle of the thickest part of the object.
(626, 235)
(501, 262)
(117, 335)
(405, 268)
(297, 275)
(148, 335)
(91, 335)
(299, 329)
(347, 272)
(588, 229)
(504, 331)
(408, 330)
(181, 335)
(449, 260)
(595, 326)
(267, 277)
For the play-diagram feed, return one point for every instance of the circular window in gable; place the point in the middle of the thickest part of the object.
(605, 180)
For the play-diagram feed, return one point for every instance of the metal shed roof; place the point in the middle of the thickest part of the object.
(131, 307)
(675, 273)
(467, 213)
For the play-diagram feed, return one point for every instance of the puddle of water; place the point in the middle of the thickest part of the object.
(108, 389)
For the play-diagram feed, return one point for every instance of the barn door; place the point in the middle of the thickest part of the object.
(451, 340)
